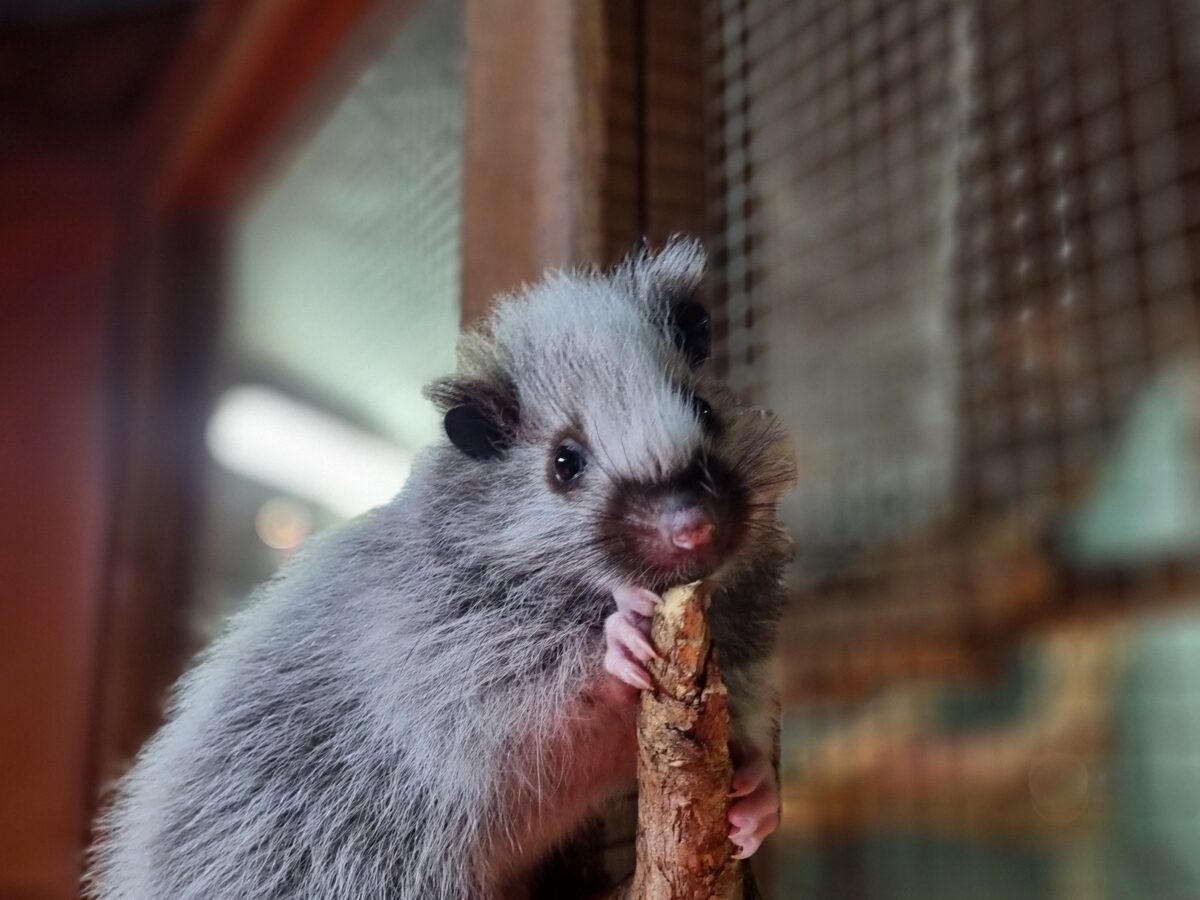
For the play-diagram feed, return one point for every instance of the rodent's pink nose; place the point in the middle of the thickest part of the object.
(691, 529)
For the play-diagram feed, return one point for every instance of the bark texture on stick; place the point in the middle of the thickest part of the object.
(684, 769)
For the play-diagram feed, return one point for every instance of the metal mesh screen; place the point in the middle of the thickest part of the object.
(1075, 267)
(956, 251)
(994, 195)
(343, 303)
(837, 191)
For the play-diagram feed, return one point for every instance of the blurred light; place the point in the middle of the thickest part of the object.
(283, 523)
(1060, 786)
(273, 439)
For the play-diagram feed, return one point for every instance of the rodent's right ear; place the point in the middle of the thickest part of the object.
(691, 330)
(479, 417)
(676, 274)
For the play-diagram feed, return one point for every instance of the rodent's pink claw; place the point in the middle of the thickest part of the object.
(636, 600)
(750, 775)
(627, 671)
(627, 647)
(755, 812)
(630, 635)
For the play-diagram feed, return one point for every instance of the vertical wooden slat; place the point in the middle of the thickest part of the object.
(674, 131)
(531, 131)
(59, 235)
(623, 166)
(156, 529)
(237, 87)
(585, 131)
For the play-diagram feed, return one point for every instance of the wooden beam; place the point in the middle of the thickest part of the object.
(239, 81)
(59, 236)
(534, 133)
(584, 132)
(162, 395)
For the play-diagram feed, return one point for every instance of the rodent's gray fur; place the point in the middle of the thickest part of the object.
(376, 723)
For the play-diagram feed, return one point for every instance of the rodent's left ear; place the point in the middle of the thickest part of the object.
(474, 432)
(479, 418)
(691, 329)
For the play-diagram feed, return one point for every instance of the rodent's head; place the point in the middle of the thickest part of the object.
(596, 442)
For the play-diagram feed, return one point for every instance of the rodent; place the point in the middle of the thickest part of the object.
(418, 707)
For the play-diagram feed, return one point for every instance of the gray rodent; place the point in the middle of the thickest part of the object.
(416, 708)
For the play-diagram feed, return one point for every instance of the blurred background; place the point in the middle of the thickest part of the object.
(955, 244)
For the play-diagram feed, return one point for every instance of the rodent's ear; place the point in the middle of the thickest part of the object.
(675, 274)
(691, 329)
(474, 432)
(678, 266)
(479, 417)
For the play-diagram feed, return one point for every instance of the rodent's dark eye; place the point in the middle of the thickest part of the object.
(704, 412)
(569, 462)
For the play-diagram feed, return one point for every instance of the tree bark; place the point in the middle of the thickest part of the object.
(684, 769)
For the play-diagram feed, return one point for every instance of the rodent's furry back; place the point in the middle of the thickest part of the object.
(368, 725)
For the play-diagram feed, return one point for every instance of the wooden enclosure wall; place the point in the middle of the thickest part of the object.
(59, 241)
(63, 269)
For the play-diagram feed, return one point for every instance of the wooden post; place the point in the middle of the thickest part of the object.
(534, 95)
(684, 769)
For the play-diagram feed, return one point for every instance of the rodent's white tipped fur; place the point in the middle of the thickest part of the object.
(409, 710)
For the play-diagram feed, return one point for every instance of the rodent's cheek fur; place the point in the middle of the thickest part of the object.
(534, 524)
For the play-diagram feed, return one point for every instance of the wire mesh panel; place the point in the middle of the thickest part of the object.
(1074, 260)
(956, 250)
(836, 191)
(990, 194)
(343, 303)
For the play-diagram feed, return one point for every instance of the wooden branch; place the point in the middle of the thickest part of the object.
(684, 769)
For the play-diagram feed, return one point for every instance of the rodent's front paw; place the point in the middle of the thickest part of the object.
(627, 637)
(754, 814)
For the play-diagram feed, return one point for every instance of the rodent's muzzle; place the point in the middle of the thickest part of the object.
(679, 528)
